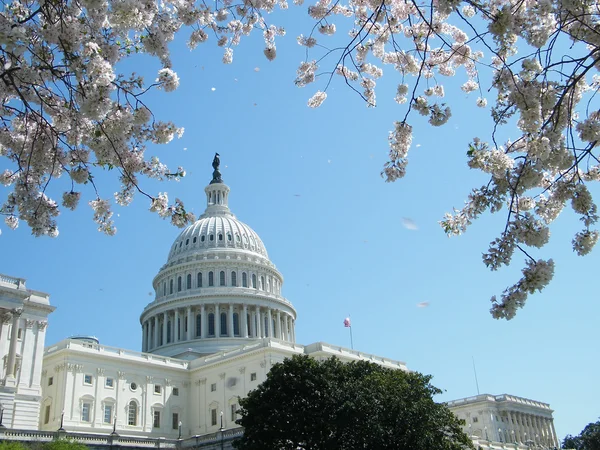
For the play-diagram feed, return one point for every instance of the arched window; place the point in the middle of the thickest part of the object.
(254, 281)
(220, 236)
(132, 413)
(168, 331)
(171, 287)
(199, 281)
(236, 324)
(189, 281)
(211, 324)
(212, 237)
(198, 325)
(229, 237)
(222, 278)
(244, 279)
(211, 278)
(179, 284)
(223, 324)
(262, 283)
(233, 279)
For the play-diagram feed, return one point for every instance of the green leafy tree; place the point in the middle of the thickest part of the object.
(310, 404)
(589, 439)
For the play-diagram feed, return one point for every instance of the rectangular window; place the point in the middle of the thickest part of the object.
(87, 379)
(213, 387)
(176, 392)
(109, 382)
(85, 412)
(253, 376)
(47, 414)
(157, 389)
(175, 421)
(156, 422)
(475, 420)
(233, 412)
(20, 333)
(213, 417)
(107, 413)
(50, 381)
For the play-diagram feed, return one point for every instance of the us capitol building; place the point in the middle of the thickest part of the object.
(217, 324)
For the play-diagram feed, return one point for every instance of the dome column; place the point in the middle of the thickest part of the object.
(230, 325)
(286, 333)
(155, 343)
(204, 322)
(259, 323)
(176, 326)
(244, 330)
(164, 333)
(278, 331)
(252, 324)
(189, 335)
(270, 323)
(217, 321)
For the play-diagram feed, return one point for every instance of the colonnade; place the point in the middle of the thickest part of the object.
(531, 427)
(214, 320)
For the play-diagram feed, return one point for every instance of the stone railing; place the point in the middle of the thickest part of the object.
(86, 346)
(6, 279)
(95, 440)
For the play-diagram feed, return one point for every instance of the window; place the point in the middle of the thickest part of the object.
(170, 286)
(211, 279)
(168, 331)
(199, 280)
(211, 324)
(236, 324)
(212, 237)
(157, 388)
(178, 284)
(253, 376)
(132, 413)
(262, 283)
(107, 413)
(233, 279)
(187, 241)
(133, 386)
(165, 288)
(202, 238)
(175, 421)
(195, 239)
(87, 379)
(198, 325)
(222, 278)
(254, 281)
(189, 281)
(47, 414)
(20, 333)
(233, 411)
(223, 324)
(176, 392)
(213, 417)
(229, 237)
(109, 382)
(220, 236)
(475, 420)
(50, 381)
(244, 279)
(213, 387)
(156, 420)
(85, 412)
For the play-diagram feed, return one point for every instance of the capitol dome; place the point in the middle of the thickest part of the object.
(218, 288)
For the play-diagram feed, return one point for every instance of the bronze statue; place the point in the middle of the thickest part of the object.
(216, 174)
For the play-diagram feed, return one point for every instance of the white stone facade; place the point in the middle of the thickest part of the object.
(23, 320)
(507, 419)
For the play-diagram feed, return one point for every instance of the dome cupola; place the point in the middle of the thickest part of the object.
(218, 288)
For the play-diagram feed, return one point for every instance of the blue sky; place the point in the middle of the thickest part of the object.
(308, 182)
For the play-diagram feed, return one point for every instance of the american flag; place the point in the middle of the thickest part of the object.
(347, 322)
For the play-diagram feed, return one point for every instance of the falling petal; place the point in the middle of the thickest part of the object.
(418, 145)
(409, 224)
(423, 305)
(257, 69)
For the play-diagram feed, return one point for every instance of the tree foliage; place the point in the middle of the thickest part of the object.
(59, 444)
(67, 113)
(589, 439)
(310, 404)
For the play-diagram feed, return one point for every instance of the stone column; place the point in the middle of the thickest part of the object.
(176, 326)
(252, 324)
(155, 343)
(190, 325)
(269, 323)
(278, 331)
(217, 321)
(259, 323)
(244, 330)
(293, 330)
(204, 320)
(12, 351)
(286, 331)
(164, 333)
(230, 320)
